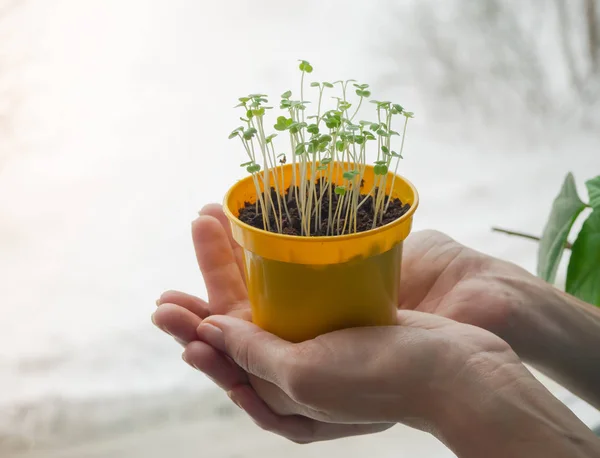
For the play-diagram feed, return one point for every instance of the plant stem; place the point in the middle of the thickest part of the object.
(568, 245)
(397, 163)
(357, 108)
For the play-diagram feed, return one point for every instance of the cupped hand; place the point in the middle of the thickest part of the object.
(439, 276)
(179, 315)
(443, 277)
(369, 375)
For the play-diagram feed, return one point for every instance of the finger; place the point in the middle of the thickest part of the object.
(194, 304)
(296, 428)
(216, 211)
(177, 321)
(256, 351)
(218, 367)
(225, 286)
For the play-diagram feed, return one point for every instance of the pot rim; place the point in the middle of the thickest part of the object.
(323, 238)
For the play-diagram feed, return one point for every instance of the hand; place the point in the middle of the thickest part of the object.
(220, 260)
(462, 384)
(403, 373)
(443, 277)
(439, 276)
(180, 314)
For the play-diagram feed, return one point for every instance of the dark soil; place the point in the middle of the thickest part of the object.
(252, 215)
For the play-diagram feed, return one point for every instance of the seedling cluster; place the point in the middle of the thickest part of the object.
(317, 143)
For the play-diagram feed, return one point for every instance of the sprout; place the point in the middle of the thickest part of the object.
(319, 142)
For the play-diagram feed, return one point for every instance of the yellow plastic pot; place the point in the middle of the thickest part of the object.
(301, 287)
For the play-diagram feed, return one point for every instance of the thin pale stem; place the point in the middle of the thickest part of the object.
(523, 235)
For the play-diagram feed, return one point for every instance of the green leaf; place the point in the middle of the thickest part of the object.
(385, 149)
(583, 274)
(314, 84)
(236, 132)
(249, 133)
(326, 161)
(313, 129)
(345, 105)
(259, 112)
(566, 208)
(380, 169)
(350, 175)
(300, 149)
(593, 187)
(253, 168)
(305, 66)
(340, 190)
(246, 164)
(326, 84)
(270, 138)
(397, 109)
(332, 122)
(286, 95)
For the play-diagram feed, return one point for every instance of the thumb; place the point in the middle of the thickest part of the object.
(256, 351)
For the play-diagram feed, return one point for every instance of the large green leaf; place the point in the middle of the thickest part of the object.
(593, 186)
(565, 210)
(583, 275)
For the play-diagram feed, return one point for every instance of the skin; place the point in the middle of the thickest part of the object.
(450, 368)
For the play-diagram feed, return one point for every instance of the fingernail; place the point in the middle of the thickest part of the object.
(212, 336)
(187, 362)
(158, 302)
(231, 396)
(162, 329)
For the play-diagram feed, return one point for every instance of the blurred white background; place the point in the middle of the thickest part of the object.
(114, 118)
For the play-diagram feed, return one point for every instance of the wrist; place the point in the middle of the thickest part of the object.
(558, 334)
(497, 408)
